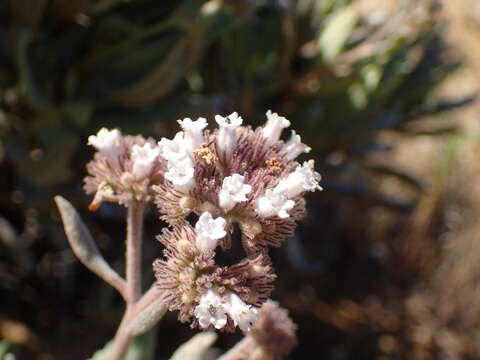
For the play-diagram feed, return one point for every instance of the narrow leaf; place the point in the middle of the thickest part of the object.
(141, 348)
(196, 347)
(148, 318)
(84, 246)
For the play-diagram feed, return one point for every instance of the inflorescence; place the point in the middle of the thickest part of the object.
(233, 177)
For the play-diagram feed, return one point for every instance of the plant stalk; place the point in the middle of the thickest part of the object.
(134, 251)
(133, 277)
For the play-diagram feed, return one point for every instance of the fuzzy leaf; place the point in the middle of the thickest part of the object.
(84, 246)
(148, 318)
(141, 348)
(195, 348)
(166, 76)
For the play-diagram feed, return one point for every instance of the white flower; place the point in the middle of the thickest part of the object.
(227, 138)
(209, 231)
(294, 146)
(243, 315)
(304, 178)
(181, 173)
(193, 132)
(173, 150)
(211, 310)
(274, 126)
(233, 191)
(143, 158)
(107, 142)
(274, 203)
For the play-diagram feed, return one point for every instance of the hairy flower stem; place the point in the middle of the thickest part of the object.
(133, 276)
(134, 251)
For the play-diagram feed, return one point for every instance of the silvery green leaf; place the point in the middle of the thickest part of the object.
(84, 246)
(148, 318)
(196, 348)
(141, 348)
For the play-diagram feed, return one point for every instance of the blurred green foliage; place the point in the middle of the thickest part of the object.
(71, 66)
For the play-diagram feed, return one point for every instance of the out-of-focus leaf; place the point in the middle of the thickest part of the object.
(358, 96)
(182, 18)
(403, 176)
(371, 75)
(336, 33)
(445, 106)
(141, 348)
(168, 74)
(27, 86)
(5, 349)
(196, 347)
(8, 235)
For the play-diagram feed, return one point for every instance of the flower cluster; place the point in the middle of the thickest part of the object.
(124, 168)
(222, 297)
(233, 177)
(248, 177)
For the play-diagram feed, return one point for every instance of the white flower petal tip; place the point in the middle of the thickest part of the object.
(304, 178)
(234, 190)
(274, 126)
(294, 146)
(230, 121)
(227, 137)
(193, 131)
(107, 142)
(181, 173)
(244, 316)
(209, 231)
(173, 150)
(274, 204)
(211, 310)
(178, 153)
(143, 158)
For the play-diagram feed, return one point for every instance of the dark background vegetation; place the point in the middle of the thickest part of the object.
(385, 265)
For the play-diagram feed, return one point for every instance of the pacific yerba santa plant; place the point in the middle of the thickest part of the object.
(232, 177)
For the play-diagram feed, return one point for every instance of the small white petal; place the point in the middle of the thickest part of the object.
(234, 190)
(220, 319)
(304, 178)
(227, 137)
(231, 121)
(244, 316)
(143, 158)
(294, 146)
(211, 310)
(181, 173)
(193, 132)
(209, 231)
(107, 142)
(173, 150)
(274, 203)
(274, 126)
